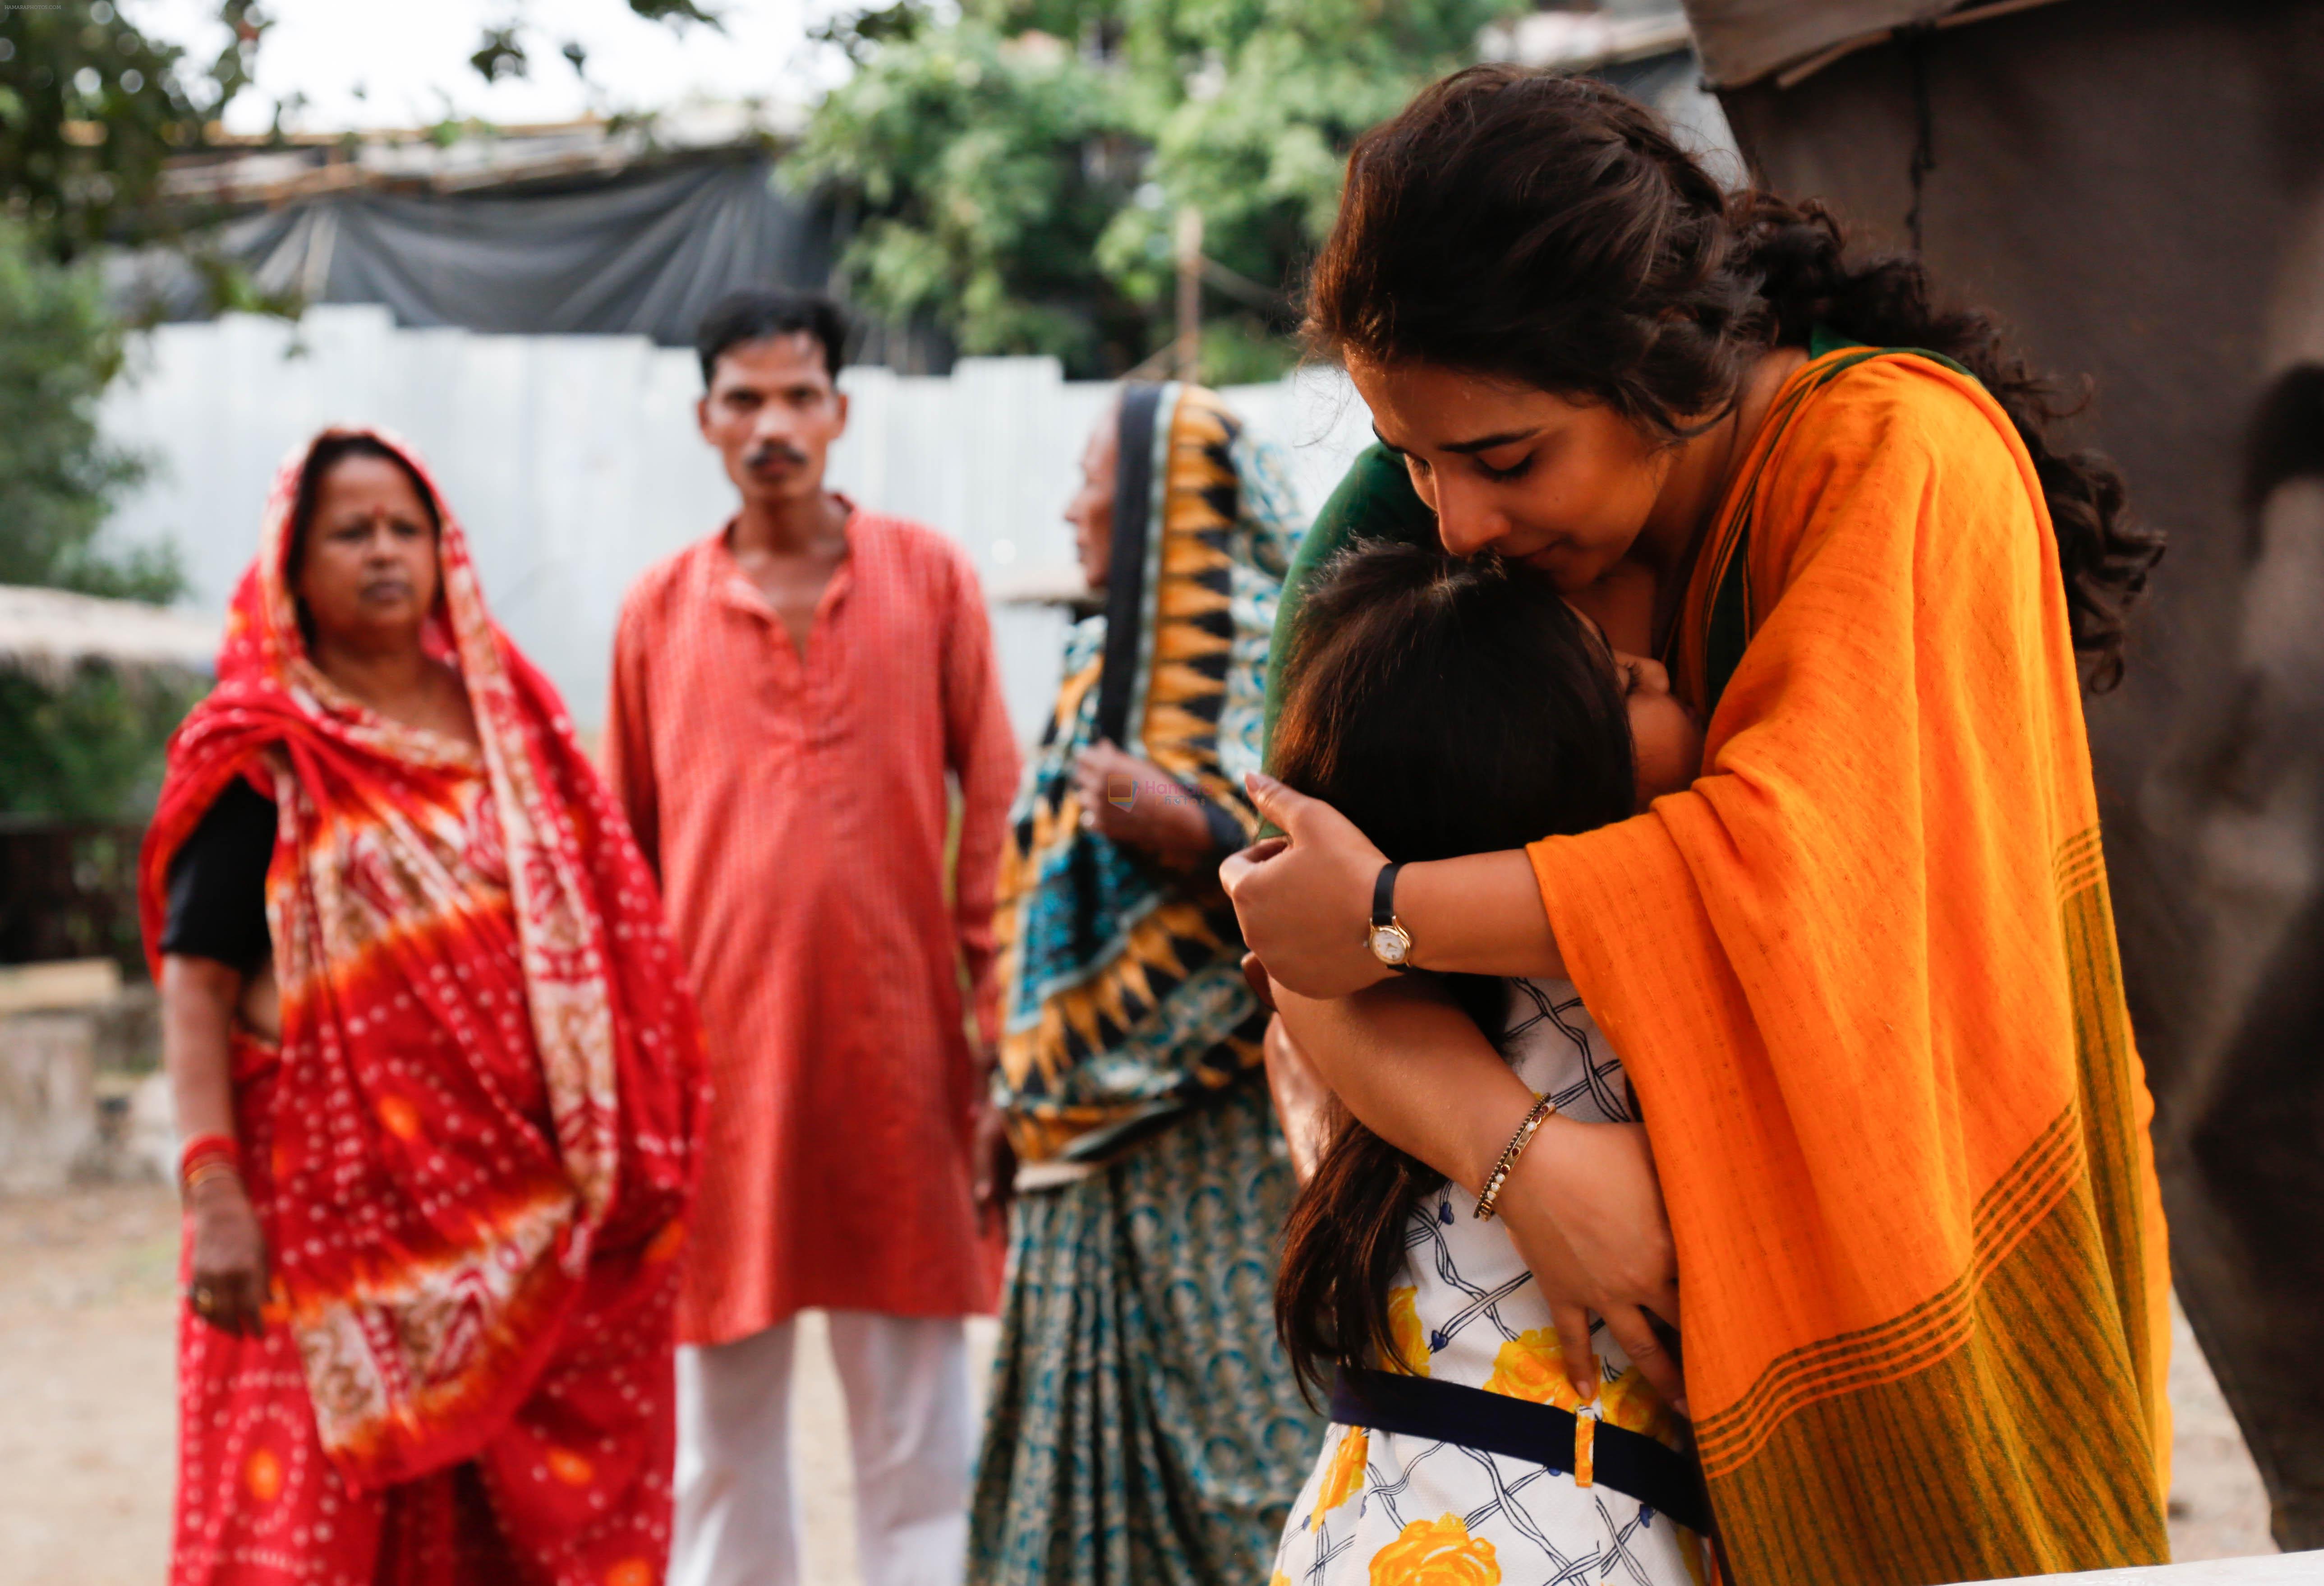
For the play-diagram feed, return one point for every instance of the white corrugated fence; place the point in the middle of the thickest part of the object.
(575, 463)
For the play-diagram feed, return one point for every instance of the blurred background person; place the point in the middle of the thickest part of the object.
(439, 1076)
(789, 696)
(1144, 1422)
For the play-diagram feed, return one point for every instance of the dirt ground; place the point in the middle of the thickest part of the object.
(88, 1315)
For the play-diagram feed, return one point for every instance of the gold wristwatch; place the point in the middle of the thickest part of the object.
(1390, 942)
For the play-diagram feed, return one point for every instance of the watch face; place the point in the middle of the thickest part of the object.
(1388, 943)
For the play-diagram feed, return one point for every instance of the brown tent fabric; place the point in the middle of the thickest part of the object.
(1743, 40)
(2138, 187)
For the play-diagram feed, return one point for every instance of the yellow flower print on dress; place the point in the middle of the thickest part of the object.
(1436, 1553)
(1532, 1366)
(1633, 1405)
(1344, 1477)
(1404, 1326)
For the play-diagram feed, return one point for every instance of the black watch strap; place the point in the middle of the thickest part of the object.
(1384, 894)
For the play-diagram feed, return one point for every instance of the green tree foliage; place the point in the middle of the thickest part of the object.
(90, 108)
(89, 747)
(1015, 175)
(983, 171)
(59, 350)
(504, 50)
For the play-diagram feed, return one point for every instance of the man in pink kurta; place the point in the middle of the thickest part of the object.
(790, 696)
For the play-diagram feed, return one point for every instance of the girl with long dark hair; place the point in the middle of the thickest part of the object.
(1395, 1295)
(1862, 971)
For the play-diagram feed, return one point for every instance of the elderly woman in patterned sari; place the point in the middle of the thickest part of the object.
(440, 1076)
(1145, 1424)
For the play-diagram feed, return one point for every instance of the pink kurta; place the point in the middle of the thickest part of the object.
(796, 810)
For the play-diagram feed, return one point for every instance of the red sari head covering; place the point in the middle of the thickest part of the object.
(490, 1070)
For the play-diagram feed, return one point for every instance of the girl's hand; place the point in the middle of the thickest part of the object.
(1586, 1211)
(1305, 901)
(228, 1289)
(992, 1167)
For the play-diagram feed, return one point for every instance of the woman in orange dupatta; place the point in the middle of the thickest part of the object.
(1862, 973)
(442, 1076)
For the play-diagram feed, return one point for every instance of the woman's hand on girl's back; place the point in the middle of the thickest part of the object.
(1586, 1212)
(1304, 902)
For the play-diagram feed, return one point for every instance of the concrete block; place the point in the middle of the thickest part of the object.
(48, 1097)
(63, 984)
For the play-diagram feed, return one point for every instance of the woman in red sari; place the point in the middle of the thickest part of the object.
(438, 1075)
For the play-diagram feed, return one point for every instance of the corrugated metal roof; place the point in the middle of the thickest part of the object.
(48, 631)
(1744, 41)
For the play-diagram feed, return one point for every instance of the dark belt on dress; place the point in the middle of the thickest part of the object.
(1630, 1462)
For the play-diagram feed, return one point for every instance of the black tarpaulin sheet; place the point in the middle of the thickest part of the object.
(644, 253)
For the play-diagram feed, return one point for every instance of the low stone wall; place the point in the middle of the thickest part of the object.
(80, 1096)
(48, 1098)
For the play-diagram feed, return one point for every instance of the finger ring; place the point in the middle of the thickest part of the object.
(200, 1296)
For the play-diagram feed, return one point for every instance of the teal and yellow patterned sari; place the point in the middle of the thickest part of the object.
(1143, 1423)
(1124, 1004)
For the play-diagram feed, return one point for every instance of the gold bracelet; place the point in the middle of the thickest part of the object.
(215, 1167)
(1486, 1198)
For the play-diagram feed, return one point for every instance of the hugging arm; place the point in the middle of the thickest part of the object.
(1303, 1102)
(1303, 902)
(1583, 1203)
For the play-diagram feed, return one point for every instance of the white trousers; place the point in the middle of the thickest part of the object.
(905, 1380)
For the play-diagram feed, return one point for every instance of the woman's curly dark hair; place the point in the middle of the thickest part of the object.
(1550, 229)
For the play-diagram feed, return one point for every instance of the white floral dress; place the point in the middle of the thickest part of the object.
(1386, 1509)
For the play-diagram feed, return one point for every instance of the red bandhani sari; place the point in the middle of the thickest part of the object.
(471, 1149)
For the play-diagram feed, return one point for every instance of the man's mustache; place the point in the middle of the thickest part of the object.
(773, 451)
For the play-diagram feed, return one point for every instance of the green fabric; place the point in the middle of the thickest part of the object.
(1823, 339)
(1375, 500)
(1145, 1426)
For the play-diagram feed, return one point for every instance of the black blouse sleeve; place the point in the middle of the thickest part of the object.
(217, 882)
(1227, 834)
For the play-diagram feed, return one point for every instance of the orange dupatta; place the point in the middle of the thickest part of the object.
(1863, 976)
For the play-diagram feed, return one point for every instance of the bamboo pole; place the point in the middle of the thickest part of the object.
(1190, 294)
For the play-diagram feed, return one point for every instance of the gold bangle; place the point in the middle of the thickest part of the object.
(1491, 1193)
(215, 1167)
